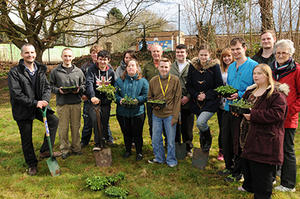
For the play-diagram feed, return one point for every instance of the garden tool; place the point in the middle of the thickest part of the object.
(180, 148)
(51, 161)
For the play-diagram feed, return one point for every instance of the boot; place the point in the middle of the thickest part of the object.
(207, 141)
(202, 139)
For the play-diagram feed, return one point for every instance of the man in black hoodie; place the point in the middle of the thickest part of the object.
(30, 91)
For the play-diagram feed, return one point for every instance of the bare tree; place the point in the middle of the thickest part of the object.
(45, 24)
(266, 10)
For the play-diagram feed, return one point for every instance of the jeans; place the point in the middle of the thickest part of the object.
(25, 128)
(157, 140)
(288, 169)
(202, 120)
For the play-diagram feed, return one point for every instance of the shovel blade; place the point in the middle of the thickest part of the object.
(53, 166)
(199, 159)
(180, 151)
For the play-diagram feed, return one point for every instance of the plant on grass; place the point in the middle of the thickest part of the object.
(97, 183)
(117, 192)
(109, 90)
(115, 179)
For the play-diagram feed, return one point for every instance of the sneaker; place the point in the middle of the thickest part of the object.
(241, 188)
(154, 161)
(284, 189)
(224, 172)
(46, 154)
(126, 154)
(139, 157)
(220, 157)
(32, 171)
(172, 165)
(274, 182)
(97, 147)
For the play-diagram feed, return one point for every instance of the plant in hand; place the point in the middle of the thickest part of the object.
(127, 100)
(226, 91)
(109, 90)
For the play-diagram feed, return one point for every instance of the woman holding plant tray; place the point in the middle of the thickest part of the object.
(262, 132)
(204, 77)
(131, 95)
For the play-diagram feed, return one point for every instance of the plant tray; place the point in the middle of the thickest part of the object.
(238, 110)
(68, 89)
(157, 104)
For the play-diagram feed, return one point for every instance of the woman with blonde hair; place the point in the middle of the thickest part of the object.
(262, 132)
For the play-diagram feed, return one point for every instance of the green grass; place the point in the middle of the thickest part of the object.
(142, 180)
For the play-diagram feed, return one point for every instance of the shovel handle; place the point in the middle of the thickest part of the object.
(47, 130)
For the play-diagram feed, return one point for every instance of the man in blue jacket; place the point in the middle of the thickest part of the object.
(239, 77)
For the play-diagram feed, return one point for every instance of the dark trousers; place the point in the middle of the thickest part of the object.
(258, 178)
(25, 128)
(87, 124)
(288, 169)
(132, 129)
(231, 153)
(185, 129)
(104, 119)
(220, 113)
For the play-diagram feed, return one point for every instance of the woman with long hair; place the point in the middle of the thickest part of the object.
(127, 56)
(262, 132)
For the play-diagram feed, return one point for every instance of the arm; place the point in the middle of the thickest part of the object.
(118, 92)
(295, 108)
(90, 79)
(53, 81)
(211, 94)
(177, 103)
(191, 90)
(142, 98)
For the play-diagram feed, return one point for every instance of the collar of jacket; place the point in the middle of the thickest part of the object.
(39, 66)
(278, 74)
(210, 63)
(134, 77)
(166, 77)
(284, 88)
(107, 67)
(123, 65)
(60, 67)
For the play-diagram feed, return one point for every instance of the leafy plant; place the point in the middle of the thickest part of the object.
(157, 101)
(97, 183)
(116, 192)
(116, 178)
(225, 90)
(129, 100)
(109, 90)
(242, 103)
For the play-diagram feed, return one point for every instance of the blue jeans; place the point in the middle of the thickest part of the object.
(157, 140)
(202, 120)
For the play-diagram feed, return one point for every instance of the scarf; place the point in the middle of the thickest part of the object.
(282, 71)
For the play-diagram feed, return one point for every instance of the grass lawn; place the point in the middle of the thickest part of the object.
(142, 180)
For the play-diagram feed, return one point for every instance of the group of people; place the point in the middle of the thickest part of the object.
(254, 146)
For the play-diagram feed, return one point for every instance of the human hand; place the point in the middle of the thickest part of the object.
(77, 91)
(247, 116)
(95, 100)
(184, 100)
(121, 101)
(84, 97)
(41, 104)
(233, 96)
(61, 91)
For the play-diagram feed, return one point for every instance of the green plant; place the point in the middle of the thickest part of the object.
(97, 183)
(116, 178)
(129, 100)
(225, 90)
(156, 101)
(109, 90)
(116, 192)
(242, 103)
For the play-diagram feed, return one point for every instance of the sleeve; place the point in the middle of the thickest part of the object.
(46, 93)
(90, 79)
(142, 98)
(150, 92)
(177, 103)
(211, 94)
(189, 85)
(275, 112)
(295, 108)
(53, 81)
(118, 92)
(82, 81)
(16, 92)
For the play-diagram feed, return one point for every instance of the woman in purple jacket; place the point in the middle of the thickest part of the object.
(262, 132)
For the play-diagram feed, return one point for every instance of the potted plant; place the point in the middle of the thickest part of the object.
(225, 91)
(109, 90)
(129, 102)
(240, 106)
(157, 103)
(69, 89)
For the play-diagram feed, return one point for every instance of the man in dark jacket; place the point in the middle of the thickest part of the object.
(30, 91)
(265, 54)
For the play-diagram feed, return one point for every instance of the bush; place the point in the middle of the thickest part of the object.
(116, 192)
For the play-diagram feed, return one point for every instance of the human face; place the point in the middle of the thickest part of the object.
(164, 68)
(156, 52)
(227, 59)
(181, 55)
(204, 56)
(67, 57)
(238, 51)
(127, 58)
(28, 54)
(267, 41)
(260, 77)
(102, 62)
(131, 68)
(94, 56)
(282, 55)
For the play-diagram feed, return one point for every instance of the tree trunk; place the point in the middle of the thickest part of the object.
(280, 19)
(250, 23)
(291, 20)
(266, 8)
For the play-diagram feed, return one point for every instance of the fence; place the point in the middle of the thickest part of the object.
(11, 53)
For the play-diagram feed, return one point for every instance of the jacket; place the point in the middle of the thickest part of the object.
(94, 75)
(291, 76)
(240, 78)
(264, 142)
(259, 59)
(172, 96)
(23, 97)
(134, 88)
(60, 78)
(204, 79)
(149, 71)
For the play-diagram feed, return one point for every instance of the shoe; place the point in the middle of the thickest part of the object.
(46, 154)
(32, 171)
(65, 155)
(153, 161)
(220, 157)
(241, 188)
(77, 153)
(284, 189)
(274, 182)
(224, 172)
(126, 154)
(139, 157)
(97, 147)
(172, 165)
(189, 154)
